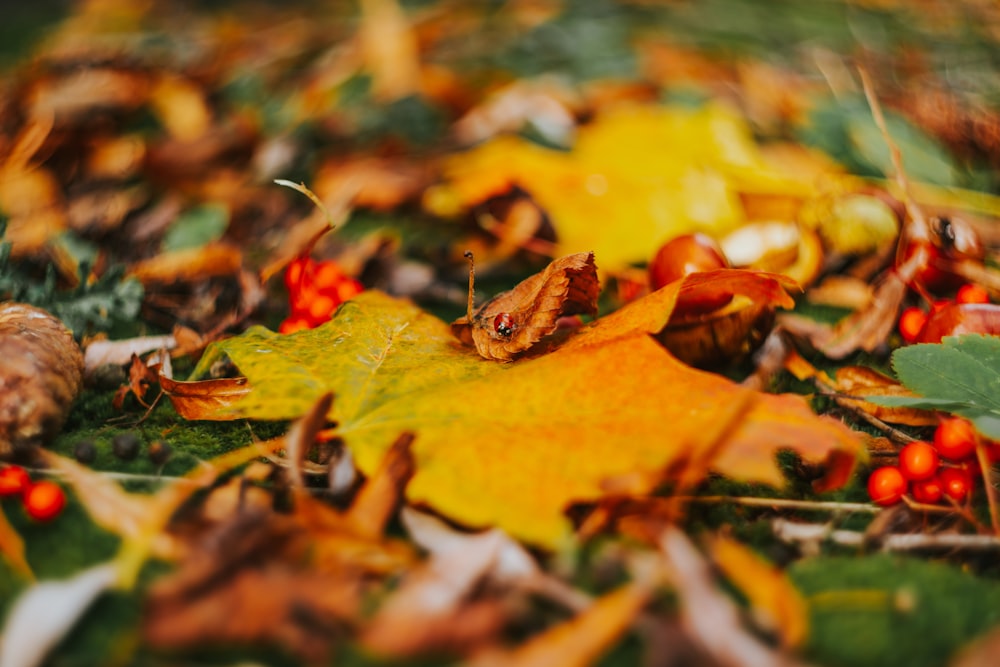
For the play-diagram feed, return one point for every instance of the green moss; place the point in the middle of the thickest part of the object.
(890, 610)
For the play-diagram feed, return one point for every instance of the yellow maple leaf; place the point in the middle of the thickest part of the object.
(637, 176)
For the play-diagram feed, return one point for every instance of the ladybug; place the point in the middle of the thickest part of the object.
(503, 324)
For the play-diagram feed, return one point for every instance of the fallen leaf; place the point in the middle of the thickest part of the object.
(593, 410)
(580, 641)
(12, 548)
(709, 616)
(109, 505)
(45, 612)
(205, 399)
(636, 176)
(213, 259)
(775, 601)
(433, 608)
(216, 595)
(513, 322)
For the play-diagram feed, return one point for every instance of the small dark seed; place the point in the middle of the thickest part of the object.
(85, 451)
(159, 452)
(125, 446)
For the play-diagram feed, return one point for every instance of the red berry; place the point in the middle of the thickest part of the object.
(886, 486)
(971, 293)
(295, 273)
(327, 275)
(503, 324)
(911, 323)
(955, 439)
(14, 481)
(918, 460)
(927, 491)
(955, 483)
(44, 501)
(293, 324)
(320, 309)
(348, 288)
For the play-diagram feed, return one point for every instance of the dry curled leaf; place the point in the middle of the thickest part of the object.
(42, 373)
(512, 322)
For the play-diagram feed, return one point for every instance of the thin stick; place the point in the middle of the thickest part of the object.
(812, 505)
(301, 187)
(919, 229)
(792, 531)
(472, 285)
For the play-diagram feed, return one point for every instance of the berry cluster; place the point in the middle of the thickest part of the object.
(315, 289)
(913, 320)
(920, 470)
(43, 501)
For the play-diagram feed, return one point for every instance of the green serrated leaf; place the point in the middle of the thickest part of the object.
(947, 371)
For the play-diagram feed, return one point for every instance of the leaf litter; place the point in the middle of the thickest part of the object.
(544, 500)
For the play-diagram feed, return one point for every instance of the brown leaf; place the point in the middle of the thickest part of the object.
(865, 382)
(514, 321)
(433, 609)
(204, 399)
(246, 583)
(41, 374)
(213, 259)
(580, 641)
(140, 376)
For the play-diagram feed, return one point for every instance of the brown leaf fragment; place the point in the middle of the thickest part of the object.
(708, 615)
(210, 260)
(577, 642)
(140, 376)
(205, 398)
(377, 501)
(865, 329)
(245, 587)
(433, 610)
(41, 374)
(514, 321)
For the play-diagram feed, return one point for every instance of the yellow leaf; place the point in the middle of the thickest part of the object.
(636, 177)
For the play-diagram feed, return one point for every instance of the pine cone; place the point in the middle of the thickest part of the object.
(41, 372)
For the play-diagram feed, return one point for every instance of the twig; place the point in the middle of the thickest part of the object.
(791, 531)
(845, 402)
(785, 503)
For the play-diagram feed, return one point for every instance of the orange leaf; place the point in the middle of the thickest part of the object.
(213, 259)
(12, 548)
(580, 641)
(770, 592)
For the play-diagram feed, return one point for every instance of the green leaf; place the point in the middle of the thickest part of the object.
(951, 370)
(960, 375)
(196, 227)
